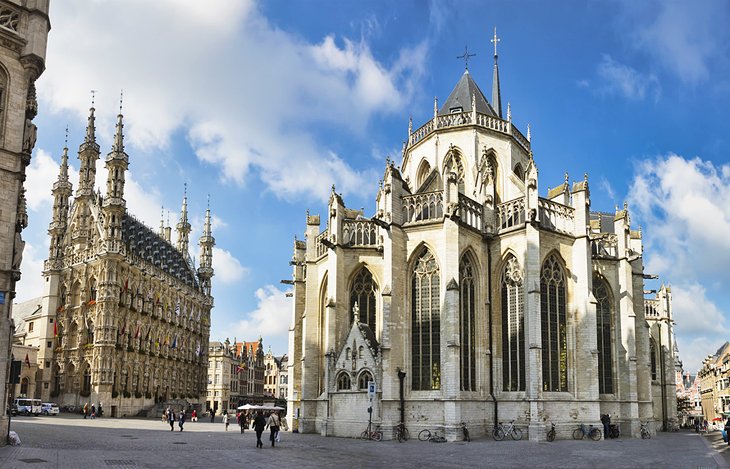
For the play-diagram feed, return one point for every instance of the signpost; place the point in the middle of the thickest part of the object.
(371, 395)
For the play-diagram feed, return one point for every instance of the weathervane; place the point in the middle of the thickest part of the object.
(466, 57)
(495, 40)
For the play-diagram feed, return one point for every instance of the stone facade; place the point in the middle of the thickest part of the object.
(24, 27)
(472, 298)
(235, 374)
(714, 387)
(126, 311)
(275, 375)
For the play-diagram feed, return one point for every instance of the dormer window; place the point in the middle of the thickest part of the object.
(456, 110)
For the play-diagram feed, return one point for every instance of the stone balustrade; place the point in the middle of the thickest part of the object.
(605, 245)
(511, 213)
(471, 213)
(319, 248)
(360, 233)
(651, 308)
(555, 216)
(425, 206)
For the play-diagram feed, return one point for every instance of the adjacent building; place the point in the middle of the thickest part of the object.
(24, 26)
(236, 374)
(475, 294)
(275, 376)
(714, 377)
(125, 314)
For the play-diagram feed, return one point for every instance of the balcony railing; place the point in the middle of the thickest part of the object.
(470, 212)
(555, 216)
(606, 245)
(360, 233)
(423, 207)
(467, 118)
(511, 213)
(651, 308)
(319, 248)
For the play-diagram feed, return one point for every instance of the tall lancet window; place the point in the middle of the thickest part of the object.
(426, 324)
(554, 329)
(362, 292)
(513, 327)
(467, 324)
(603, 335)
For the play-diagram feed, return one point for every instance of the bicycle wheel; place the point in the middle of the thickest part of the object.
(645, 435)
(578, 434)
(424, 435)
(551, 435)
(466, 434)
(377, 436)
(595, 434)
(405, 434)
(516, 434)
(498, 434)
(364, 435)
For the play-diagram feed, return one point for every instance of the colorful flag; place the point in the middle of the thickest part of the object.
(124, 327)
(177, 308)
(92, 302)
(126, 284)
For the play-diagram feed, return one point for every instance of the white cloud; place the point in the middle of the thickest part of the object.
(270, 319)
(604, 184)
(31, 282)
(227, 268)
(41, 174)
(621, 79)
(684, 205)
(252, 93)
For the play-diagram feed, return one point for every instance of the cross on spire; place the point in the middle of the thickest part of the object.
(93, 93)
(495, 40)
(466, 56)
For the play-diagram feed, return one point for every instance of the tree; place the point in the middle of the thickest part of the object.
(683, 405)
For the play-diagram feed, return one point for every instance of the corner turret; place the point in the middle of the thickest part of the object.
(183, 226)
(207, 241)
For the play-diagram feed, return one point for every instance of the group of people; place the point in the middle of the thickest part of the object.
(169, 416)
(273, 422)
(92, 411)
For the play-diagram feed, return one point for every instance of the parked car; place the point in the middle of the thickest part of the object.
(28, 406)
(49, 408)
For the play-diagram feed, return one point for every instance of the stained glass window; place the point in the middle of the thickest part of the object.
(554, 328)
(426, 324)
(467, 326)
(513, 327)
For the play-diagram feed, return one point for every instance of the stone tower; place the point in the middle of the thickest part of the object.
(24, 27)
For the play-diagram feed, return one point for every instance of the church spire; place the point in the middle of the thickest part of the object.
(496, 98)
(116, 163)
(61, 192)
(88, 154)
(183, 226)
(207, 241)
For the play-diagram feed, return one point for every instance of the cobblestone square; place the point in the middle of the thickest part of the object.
(69, 441)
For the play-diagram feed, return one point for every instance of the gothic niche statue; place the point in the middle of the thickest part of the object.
(30, 130)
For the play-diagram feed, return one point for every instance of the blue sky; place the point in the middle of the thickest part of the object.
(265, 105)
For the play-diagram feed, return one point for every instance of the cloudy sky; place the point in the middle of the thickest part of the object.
(265, 105)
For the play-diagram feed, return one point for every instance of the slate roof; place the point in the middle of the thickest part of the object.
(461, 97)
(369, 336)
(23, 310)
(150, 246)
(604, 219)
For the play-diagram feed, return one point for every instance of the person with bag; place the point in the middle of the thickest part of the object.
(273, 424)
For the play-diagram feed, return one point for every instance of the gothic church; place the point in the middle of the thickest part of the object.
(468, 297)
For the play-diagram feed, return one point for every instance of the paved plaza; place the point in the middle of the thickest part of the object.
(69, 441)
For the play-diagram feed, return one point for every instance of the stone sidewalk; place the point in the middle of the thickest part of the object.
(69, 441)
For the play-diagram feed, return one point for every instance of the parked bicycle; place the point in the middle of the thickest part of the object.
(375, 435)
(402, 433)
(582, 431)
(426, 435)
(645, 433)
(502, 430)
(613, 431)
(466, 431)
(551, 432)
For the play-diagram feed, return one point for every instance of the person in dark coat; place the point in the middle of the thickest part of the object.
(606, 421)
(259, 425)
(242, 421)
(171, 419)
(727, 430)
(181, 422)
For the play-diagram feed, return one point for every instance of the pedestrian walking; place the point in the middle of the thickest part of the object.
(181, 422)
(86, 409)
(164, 415)
(212, 415)
(194, 416)
(273, 425)
(225, 420)
(171, 419)
(259, 424)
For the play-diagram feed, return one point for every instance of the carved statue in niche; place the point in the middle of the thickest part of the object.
(30, 131)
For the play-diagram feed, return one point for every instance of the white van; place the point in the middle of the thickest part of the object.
(28, 406)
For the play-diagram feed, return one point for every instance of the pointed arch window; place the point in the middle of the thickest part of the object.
(454, 165)
(554, 328)
(513, 327)
(363, 380)
(423, 172)
(343, 381)
(603, 335)
(652, 358)
(426, 324)
(467, 324)
(86, 387)
(362, 292)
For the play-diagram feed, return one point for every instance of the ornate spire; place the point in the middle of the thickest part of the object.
(118, 135)
(88, 154)
(207, 241)
(496, 98)
(90, 128)
(162, 221)
(183, 227)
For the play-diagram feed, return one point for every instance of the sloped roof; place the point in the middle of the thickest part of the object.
(145, 243)
(23, 310)
(369, 337)
(460, 97)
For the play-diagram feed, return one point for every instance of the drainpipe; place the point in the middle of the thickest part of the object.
(491, 334)
(401, 377)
